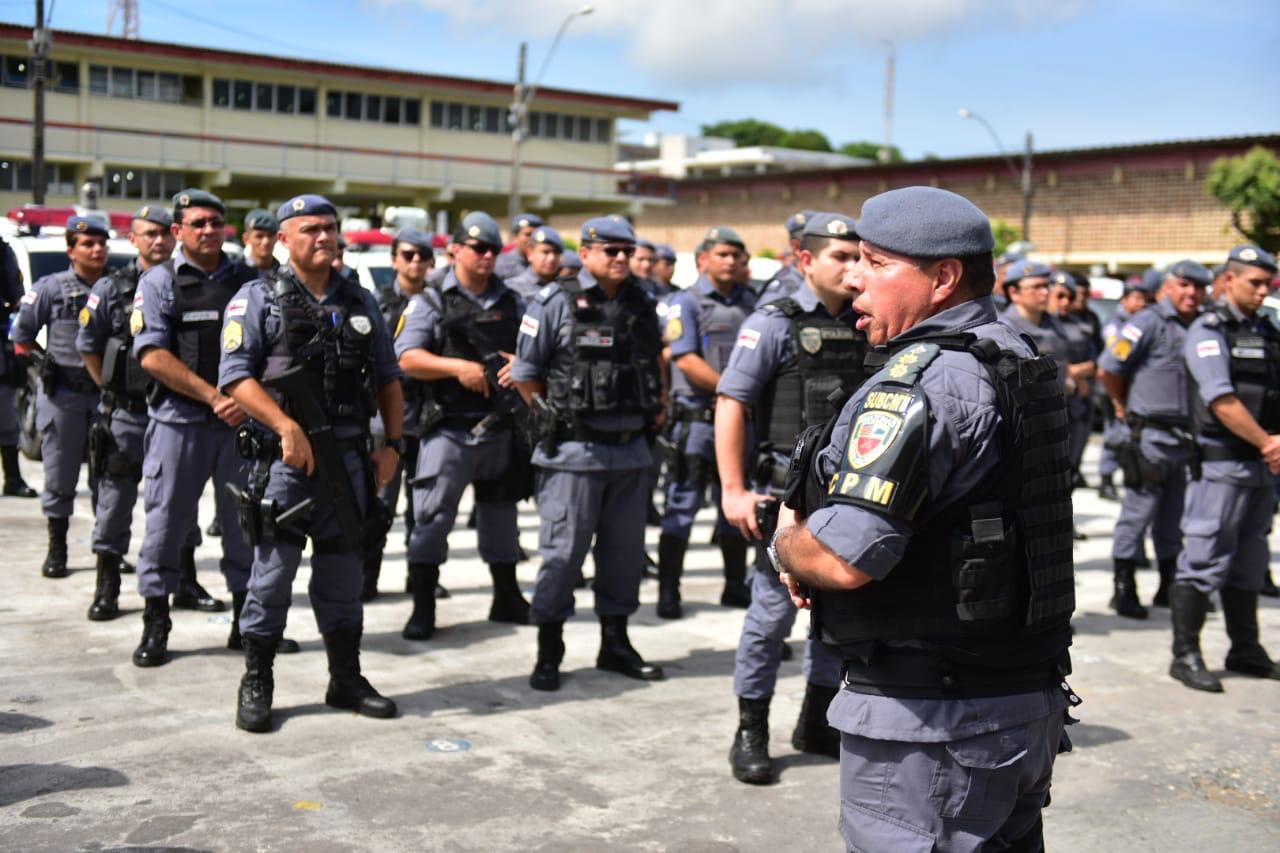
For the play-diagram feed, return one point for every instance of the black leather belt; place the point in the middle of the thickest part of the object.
(601, 436)
(1230, 454)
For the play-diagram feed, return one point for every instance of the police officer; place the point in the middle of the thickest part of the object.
(664, 269)
(175, 321)
(260, 227)
(642, 260)
(66, 406)
(789, 278)
(702, 325)
(1146, 378)
(795, 361)
(1081, 367)
(512, 263)
(588, 352)
(309, 325)
(570, 265)
(1138, 294)
(451, 340)
(1026, 284)
(12, 374)
(1233, 358)
(940, 563)
(546, 251)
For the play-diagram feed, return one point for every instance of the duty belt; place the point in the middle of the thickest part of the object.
(689, 415)
(74, 379)
(1164, 422)
(1230, 454)
(918, 674)
(579, 432)
(123, 402)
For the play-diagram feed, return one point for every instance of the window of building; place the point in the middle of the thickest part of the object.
(145, 85)
(437, 114)
(168, 88)
(264, 97)
(354, 106)
(99, 80)
(373, 107)
(15, 176)
(192, 89)
(241, 95)
(604, 130)
(66, 77)
(127, 182)
(391, 111)
(138, 84)
(222, 93)
(544, 125)
(454, 120)
(306, 102)
(17, 72)
(122, 82)
(286, 99)
(412, 111)
(333, 104)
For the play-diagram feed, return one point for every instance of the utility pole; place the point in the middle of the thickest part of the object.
(39, 59)
(1026, 188)
(518, 115)
(886, 150)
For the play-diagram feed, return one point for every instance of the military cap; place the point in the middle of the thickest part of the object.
(550, 236)
(192, 197)
(797, 220)
(571, 260)
(1253, 256)
(260, 220)
(925, 222)
(608, 229)
(835, 226)
(723, 234)
(415, 237)
(1007, 258)
(88, 225)
(526, 220)
(479, 226)
(1192, 271)
(156, 214)
(642, 243)
(1217, 269)
(1019, 270)
(664, 252)
(307, 204)
(1062, 278)
(1151, 280)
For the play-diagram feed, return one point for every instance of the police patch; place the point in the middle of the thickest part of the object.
(872, 434)
(237, 307)
(474, 231)
(136, 322)
(748, 338)
(92, 304)
(361, 324)
(29, 298)
(137, 299)
(594, 338)
(85, 317)
(1121, 349)
(674, 309)
(529, 326)
(1131, 332)
(1248, 255)
(1208, 349)
(675, 328)
(232, 336)
(400, 324)
(810, 340)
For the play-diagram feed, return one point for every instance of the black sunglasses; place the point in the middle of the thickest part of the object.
(483, 248)
(614, 251)
(413, 254)
(201, 224)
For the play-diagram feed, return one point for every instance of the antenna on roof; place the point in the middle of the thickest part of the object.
(127, 12)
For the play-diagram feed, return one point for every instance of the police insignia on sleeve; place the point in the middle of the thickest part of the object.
(400, 324)
(873, 433)
(361, 324)
(675, 328)
(232, 336)
(84, 318)
(136, 322)
(1121, 349)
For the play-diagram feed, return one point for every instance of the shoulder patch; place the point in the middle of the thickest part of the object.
(29, 298)
(232, 336)
(674, 309)
(137, 299)
(136, 321)
(675, 327)
(1131, 332)
(906, 366)
(237, 307)
(408, 309)
(93, 302)
(1211, 319)
(547, 292)
(529, 325)
(873, 433)
(748, 338)
(1121, 349)
(86, 316)
(1208, 349)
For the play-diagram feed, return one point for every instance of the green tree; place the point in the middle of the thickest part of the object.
(806, 140)
(1006, 234)
(871, 151)
(1250, 186)
(746, 132)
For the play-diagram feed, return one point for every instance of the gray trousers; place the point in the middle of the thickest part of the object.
(980, 793)
(118, 493)
(1158, 507)
(1080, 415)
(1225, 526)
(336, 578)
(178, 460)
(766, 625)
(63, 420)
(8, 415)
(576, 507)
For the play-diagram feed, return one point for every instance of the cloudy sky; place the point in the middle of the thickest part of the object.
(1075, 72)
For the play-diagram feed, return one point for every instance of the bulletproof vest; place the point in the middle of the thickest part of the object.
(198, 303)
(64, 323)
(988, 579)
(122, 373)
(471, 332)
(719, 325)
(1158, 386)
(1255, 373)
(609, 365)
(824, 367)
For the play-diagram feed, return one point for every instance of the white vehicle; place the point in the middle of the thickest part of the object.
(372, 267)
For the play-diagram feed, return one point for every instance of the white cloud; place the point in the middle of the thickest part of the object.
(714, 43)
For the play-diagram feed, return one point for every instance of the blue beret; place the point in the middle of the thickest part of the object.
(723, 234)
(479, 226)
(307, 204)
(1008, 258)
(550, 236)
(415, 237)
(89, 225)
(835, 226)
(571, 260)
(664, 252)
(192, 197)
(642, 243)
(797, 220)
(1196, 273)
(608, 229)
(526, 220)
(156, 214)
(1253, 256)
(1062, 278)
(1217, 269)
(925, 222)
(1019, 270)
(261, 220)
(1152, 278)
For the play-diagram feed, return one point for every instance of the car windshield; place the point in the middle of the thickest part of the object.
(382, 276)
(47, 263)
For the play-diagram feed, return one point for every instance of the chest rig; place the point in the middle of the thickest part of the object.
(198, 303)
(473, 333)
(1254, 351)
(124, 382)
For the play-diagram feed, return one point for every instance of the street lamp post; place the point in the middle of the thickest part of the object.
(1023, 175)
(518, 115)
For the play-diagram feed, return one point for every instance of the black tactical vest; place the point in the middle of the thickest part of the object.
(609, 365)
(198, 303)
(986, 583)
(472, 333)
(122, 375)
(1255, 373)
(825, 366)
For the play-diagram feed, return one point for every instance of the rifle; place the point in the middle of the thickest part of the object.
(331, 481)
(507, 401)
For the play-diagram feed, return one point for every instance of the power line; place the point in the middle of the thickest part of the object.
(183, 13)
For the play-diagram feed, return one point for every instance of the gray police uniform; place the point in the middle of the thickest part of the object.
(392, 302)
(936, 752)
(510, 264)
(178, 307)
(11, 292)
(785, 282)
(1114, 432)
(1080, 348)
(1049, 337)
(258, 334)
(67, 404)
(526, 283)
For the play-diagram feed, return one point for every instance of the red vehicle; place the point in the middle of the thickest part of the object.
(35, 218)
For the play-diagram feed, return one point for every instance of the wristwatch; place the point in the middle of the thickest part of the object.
(772, 552)
(396, 444)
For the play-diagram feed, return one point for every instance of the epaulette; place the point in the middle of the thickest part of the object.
(786, 306)
(906, 366)
(548, 290)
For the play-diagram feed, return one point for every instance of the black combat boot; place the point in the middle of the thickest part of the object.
(508, 604)
(1189, 606)
(422, 622)
(257, 685)
(618, 655)
(1269, 586)
(1168, 568)
(372, 569)
(1125, 600)
(670, 566)
(55, 562)
(1247, 656)
(214, 530)
(733, 548)
(546, 672)
(348, 689)
(127, 568)
(106, 596)
(749, 756)
(1107, 489)
(14, 485)
(813, 734)
(154, 648)
(191, 595)
(441, 592)
(235, 642)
